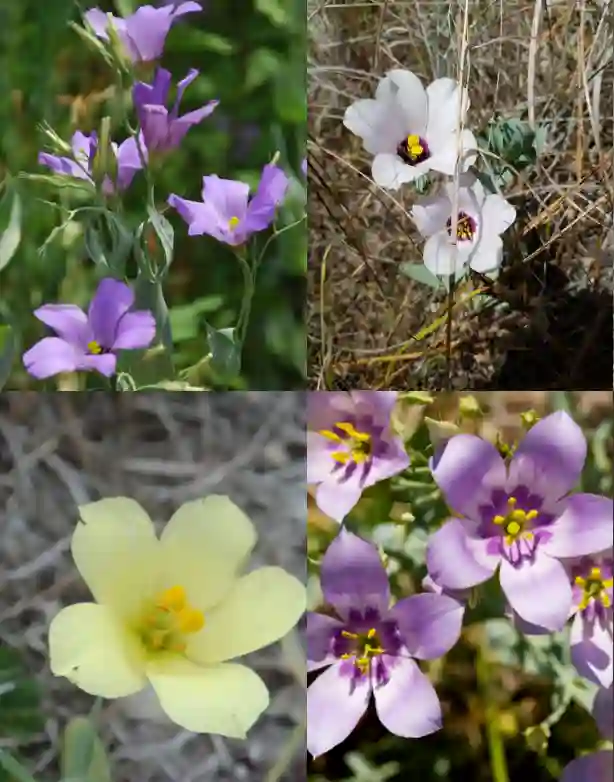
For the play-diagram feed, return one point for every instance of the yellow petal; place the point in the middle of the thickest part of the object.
(225, 699)
(261, 608)
(204, 545)
(116, 551)
(92, 647)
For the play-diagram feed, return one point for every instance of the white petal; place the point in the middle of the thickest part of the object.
(488, 253)
(380, 124)
(390, 171)
(444, 97)
(441, 257)
(497, 213)
(406, 90)
(431, 214)
(469, 147)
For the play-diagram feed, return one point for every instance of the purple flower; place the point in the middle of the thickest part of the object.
(163, 129)
(369, 649)
(84, 151)
(89, 342)
(143, 34)
(227, 213)
(518, 518)
(597, 766)
(350, 445)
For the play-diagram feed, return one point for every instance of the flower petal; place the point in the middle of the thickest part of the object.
(603, 712)
(319, 460)
(389, 171)
(261, 608)
(89, 645)
(135, 330)
(320, 632)
(497, 213)
(380, 124)
(408, 704)
(117, 553)
(205, 545)
(111, 301)
(488, 253)
(407, 91)
(271, 190)
(334, 707)
(591, 649)
(226, 699)
(539, 591)
(443, 258)
(337, 499)
(51, 356)
(67, 320)
(430, 214)
(429, 623)
(584, 527)
(596, 767)
(451, 559)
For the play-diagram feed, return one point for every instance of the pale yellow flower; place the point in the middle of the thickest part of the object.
(171, 612)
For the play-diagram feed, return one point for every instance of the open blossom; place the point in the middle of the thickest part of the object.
(144, 32)
(171, 611)
(85, 148)
(227, 212)
(518, 518)
(164, 129)
(596, 766)
(90, 342)
(412, 131)
(368, 649)
(481, 219)
(350, 445)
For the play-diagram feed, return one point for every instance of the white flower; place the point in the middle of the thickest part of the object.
(481, 221)
(411, 130)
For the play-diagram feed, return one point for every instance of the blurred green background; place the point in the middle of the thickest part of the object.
(251, 55)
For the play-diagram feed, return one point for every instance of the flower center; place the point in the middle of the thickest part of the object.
(465, 227)
(365, 647)
(515, 522)
(94, 347)
(233, 222)
(413, 150)
(594, 587)
(168, 621)
(359, 444)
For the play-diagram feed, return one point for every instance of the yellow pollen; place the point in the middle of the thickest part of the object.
(233, 222)
(513, 528)
(190, 620)
(364, 651)
(414, 147)
(94, 347)
(168, 620)
(594, 587)
(174, 599)
(359, 443)
(515, 521)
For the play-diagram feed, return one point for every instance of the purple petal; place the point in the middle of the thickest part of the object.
(146, 31)
(68, 321)
(334, 706)
(430, 624)
(467, 468)
(320, 632)
(524, 627)
(181, 87)
(135, 330)
(99, 21)
(584, 527)
(353, 576)
(154, 93)
(325, 408)
(539, 590)
(155, 127)
(319, 461)
(591, 649)
(603, 712)
(226, 196)
(51, 356)
(179, 127)
(110, 303)
(596, 767)
(380, 402)
(62, 165)
(270, 193)
(103, 363)
(337, 499)
(407, 704)
(556, 449)
(129, 160)
(395, 461)
(186, 8)
(451, 558)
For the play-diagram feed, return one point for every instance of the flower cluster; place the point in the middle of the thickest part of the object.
(514, 516)
(413, 131)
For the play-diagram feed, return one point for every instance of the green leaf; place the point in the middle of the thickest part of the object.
(19, 697)
(11, 237)
(83, 757)
(262, 65)
(185, 319)
(108, 242)
(275, 11)
(225, 352)
(165, 233)
(8, 349)
(16, 772)
(419, 273)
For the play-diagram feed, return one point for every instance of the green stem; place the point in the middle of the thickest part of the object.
(248, 295)
(496, 746)
(15, 770)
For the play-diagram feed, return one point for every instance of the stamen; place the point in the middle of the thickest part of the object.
(94, 347)
(173, 599)
(233, 222)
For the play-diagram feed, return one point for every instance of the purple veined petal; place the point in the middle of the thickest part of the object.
(110, 303)
(337, 499)
(353, 576)
(155, 93)
(584, 527)
(320, 632)
(68, 321)
(269, 195)
(466, 470)
(603, 712)
(129, 160)
(380, 402)
(155, 127)
(227, 196)
(334, 708)
(395, 462)
(430, 624)
(538, 590)
(135, 330)
(592, 650)
(51, 356)
(460, 595)
(319, 461)
(407, 705)
(201, 218)
(181, 87)
(103, 363)
(179, 127)
(452, 558)
(596, 767)
(326, 408)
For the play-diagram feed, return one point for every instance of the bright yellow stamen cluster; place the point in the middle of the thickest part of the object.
(515, 522)
(94, 347)
(414, 147)
(594, 586)
(169, 620)
(367, 646)
(463, 228)
(233, 222)
(359, 443)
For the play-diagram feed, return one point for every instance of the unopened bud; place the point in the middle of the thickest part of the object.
(105, 160)
(440, 431)
(56, 144)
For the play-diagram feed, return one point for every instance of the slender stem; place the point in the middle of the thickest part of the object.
(496, 746)
(248, 295)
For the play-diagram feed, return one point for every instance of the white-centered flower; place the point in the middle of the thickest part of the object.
(171, 611)
(481, 219)
(412, 130)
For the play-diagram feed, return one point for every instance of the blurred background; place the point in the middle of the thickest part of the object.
(59, 452)
(251, 56)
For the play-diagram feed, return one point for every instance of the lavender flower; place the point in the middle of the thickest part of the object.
(227, 213)
(519, 518)
(162, 129)
(368, 648)
(90, 342)
(597, 766)
(351, 446)
(84, 151)
(144, 32)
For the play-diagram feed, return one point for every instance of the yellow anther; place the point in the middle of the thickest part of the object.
(190, 620)
(352, 432)
(499, 519)
(330, 435)
(595, 573)
(342, 457)
(513, 528)
(233, 222)
(605, 599)
(512, 501)
(371, 633)
(580, 581)
(532, 514)
(347, 634)
(173, 599)
(94, 347)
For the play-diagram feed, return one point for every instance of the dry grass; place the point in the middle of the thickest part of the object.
(549, 323)
(58, 451)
